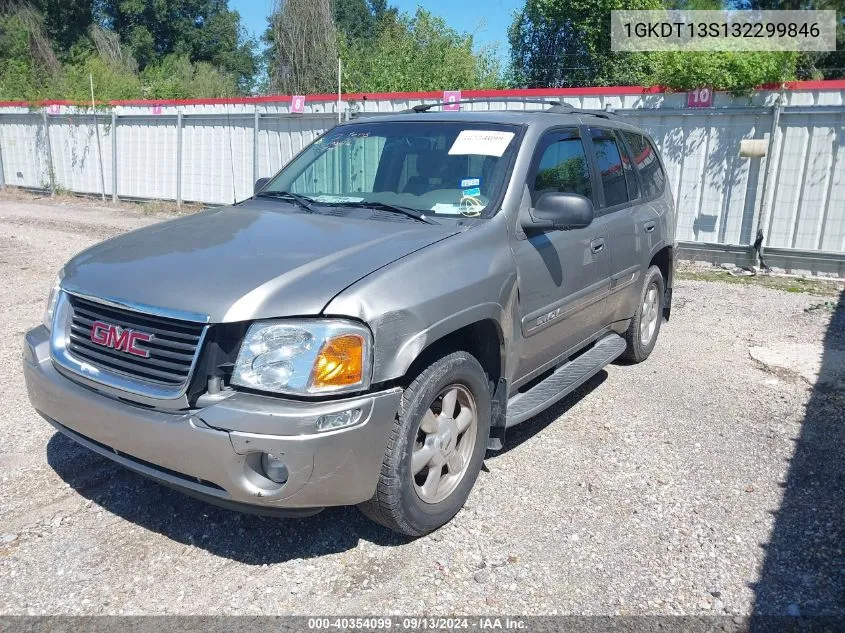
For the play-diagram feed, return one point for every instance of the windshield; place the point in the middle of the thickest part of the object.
(439, 168)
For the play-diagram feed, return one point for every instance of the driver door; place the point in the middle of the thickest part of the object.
(563, 276)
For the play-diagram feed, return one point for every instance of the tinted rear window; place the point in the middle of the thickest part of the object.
(645, 158)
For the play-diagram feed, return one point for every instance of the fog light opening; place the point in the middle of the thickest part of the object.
(339, 420)
(274, 468)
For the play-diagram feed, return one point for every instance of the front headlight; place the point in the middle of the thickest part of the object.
(52, 300)
(305, 357)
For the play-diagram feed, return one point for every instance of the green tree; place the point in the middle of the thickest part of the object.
(65, 21)
(814, 65)
(203, 30)
(558, 43)
(29, 69)
(302, 45)
(419, 52)
(360, 19)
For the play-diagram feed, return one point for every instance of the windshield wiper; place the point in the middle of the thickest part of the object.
(384, 206)
(303, 202)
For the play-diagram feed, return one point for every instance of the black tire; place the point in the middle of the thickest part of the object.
(637, 351)
(396, 503)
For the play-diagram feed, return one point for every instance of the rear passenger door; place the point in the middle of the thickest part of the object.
(627, 219)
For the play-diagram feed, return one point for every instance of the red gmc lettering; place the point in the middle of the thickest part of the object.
(116, 337)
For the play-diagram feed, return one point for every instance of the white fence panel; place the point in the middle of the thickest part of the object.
(718, 192)
(23, 147)
(217, 158)
(76, 162)
(146, 157)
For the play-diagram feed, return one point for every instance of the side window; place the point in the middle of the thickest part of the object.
(609, 162)
(563, 167)
(628, 168)
(645, 158)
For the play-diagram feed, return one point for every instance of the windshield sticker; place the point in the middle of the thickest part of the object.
(474, 192)
(470, 205)
(447, 209)
(481, 142)
(336, 199)
(470, 182)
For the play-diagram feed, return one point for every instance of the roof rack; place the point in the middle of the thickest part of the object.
(557, 107)
(566, 108)
(425, 107)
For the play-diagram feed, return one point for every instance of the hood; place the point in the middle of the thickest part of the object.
(256, 260)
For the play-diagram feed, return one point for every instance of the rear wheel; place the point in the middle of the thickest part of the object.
(645, 326)
(436, 447)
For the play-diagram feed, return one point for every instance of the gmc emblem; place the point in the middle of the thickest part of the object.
(121, 339)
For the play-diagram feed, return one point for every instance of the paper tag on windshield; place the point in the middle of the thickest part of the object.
(336, 199)
(481, 142)
(447, 209)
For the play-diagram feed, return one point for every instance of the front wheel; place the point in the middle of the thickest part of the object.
(435, 449)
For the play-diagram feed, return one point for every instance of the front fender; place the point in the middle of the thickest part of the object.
(421, 298)
(411, 345)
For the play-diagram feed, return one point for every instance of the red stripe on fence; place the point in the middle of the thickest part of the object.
(830, 84)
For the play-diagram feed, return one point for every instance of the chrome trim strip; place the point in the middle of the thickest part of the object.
(61, 355)
(167, 313)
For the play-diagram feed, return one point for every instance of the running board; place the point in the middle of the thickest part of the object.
(564, 380)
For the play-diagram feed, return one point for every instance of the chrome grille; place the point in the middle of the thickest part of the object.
(172, 349)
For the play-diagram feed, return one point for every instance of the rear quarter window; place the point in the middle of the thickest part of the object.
(652, 176)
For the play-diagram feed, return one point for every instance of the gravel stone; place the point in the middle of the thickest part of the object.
(694, 483)
(481, 576)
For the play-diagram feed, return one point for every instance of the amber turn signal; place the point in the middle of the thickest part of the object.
(340, 362)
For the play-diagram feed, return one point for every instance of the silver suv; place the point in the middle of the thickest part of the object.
(370, 323)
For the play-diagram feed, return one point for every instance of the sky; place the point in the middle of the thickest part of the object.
(488, 20)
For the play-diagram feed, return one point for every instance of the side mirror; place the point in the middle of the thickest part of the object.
(259, 184)
(559, 211)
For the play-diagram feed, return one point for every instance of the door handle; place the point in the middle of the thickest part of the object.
(649, 226)
(597, 244)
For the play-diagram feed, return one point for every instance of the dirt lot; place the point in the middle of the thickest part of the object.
(702, 481)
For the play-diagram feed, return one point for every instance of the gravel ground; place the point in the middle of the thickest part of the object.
(664, 488)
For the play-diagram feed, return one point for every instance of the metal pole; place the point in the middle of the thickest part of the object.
(178, 160)
(770, 163)
(339, 98)
(256, 126)
(99, 146)
(113, 156)
(49, 153)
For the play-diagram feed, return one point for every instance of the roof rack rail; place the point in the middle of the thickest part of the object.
(566, 108)
(425, 107)
(557, 107)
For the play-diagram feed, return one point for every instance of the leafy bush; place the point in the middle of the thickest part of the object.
(175, 77)
(419, 52)
(735, 72)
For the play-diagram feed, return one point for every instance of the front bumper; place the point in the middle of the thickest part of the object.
(214, 452)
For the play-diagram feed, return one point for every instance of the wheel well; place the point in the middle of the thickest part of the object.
(663, 260)
(482, 339)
